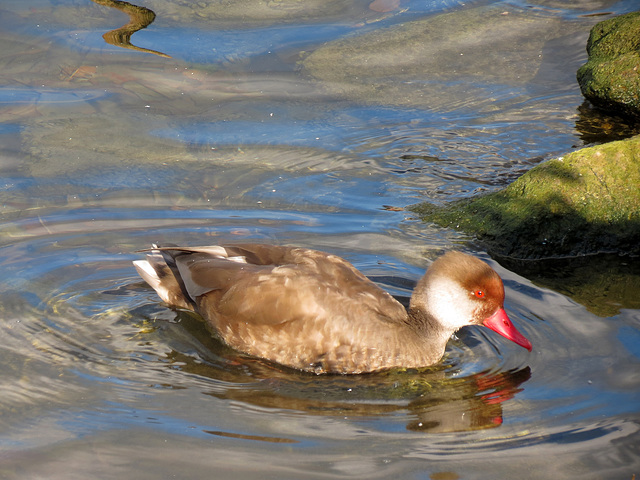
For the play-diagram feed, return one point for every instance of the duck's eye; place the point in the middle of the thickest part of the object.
(479, 293)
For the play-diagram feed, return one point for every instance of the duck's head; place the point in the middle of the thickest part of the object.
(460, 290)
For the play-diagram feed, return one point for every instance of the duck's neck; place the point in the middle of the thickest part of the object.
(429, 329)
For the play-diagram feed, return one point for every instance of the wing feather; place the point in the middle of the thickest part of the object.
(266, 284)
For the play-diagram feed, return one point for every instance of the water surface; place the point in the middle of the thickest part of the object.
(307, 123)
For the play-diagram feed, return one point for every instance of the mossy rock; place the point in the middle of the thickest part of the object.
(587, 202)
(611, 77)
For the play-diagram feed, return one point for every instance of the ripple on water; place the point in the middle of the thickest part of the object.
(90, 349)
(253, 144)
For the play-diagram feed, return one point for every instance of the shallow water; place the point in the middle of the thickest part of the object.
(255, 128)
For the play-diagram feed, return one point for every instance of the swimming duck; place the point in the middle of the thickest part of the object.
(314, 311)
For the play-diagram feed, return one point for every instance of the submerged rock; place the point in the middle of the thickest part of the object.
(440, 61)
(611, 77)
(587, 202)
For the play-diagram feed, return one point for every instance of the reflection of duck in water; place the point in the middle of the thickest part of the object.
(314, 311)
(427, 400)
(472, 404)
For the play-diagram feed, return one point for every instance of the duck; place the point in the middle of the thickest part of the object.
(314, 311)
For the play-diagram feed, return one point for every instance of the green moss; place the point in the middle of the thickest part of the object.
(611, 77)
(586, 202)
(615, 36)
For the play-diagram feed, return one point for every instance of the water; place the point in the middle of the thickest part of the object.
(258, 128)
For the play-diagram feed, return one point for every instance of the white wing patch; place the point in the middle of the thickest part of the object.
(238, 259)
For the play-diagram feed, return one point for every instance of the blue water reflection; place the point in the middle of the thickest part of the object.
(44, 96)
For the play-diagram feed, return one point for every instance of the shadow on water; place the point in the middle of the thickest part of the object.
(603, 283)
(596, 126)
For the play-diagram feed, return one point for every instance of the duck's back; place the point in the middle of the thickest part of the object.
(299, 307)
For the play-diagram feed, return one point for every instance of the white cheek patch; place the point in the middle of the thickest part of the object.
(450, 304)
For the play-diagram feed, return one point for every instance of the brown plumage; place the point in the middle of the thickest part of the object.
(314, 311)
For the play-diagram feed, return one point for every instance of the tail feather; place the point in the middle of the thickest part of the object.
(159, 276)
